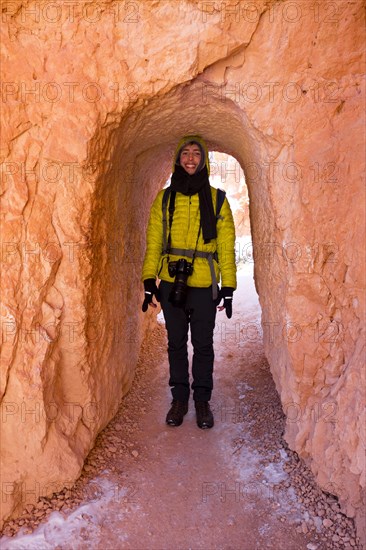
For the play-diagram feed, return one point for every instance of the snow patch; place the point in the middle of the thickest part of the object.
(84, 522)
(275, 473)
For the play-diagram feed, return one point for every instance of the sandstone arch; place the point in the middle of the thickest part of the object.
(72, 169)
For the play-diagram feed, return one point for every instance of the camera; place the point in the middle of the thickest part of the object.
(181, 270)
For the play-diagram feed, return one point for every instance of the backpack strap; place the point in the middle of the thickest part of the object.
(220, 197)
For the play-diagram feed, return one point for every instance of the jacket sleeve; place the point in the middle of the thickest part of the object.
(226, 246)
(154, 240)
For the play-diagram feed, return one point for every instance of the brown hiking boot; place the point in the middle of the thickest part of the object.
(176, 412)
(204, 415)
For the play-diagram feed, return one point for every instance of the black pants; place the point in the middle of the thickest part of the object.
(199, 313)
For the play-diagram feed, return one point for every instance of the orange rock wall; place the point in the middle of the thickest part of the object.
(94, 98)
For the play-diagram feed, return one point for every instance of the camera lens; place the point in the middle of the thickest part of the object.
(178, 294)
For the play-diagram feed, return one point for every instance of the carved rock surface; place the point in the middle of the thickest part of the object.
(94, 99)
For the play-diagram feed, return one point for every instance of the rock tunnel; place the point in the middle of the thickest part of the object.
(90, 127)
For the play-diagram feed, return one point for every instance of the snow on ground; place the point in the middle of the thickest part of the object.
(83, 522)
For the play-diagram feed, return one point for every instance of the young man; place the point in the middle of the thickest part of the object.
(190, 245)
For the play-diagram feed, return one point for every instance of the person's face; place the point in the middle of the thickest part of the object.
(190, 158)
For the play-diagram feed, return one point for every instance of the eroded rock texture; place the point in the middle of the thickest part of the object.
(94, 98)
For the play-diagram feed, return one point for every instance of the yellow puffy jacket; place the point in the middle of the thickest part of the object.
(184, 232)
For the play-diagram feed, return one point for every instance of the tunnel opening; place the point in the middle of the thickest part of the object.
(134, 159)
(137, 155)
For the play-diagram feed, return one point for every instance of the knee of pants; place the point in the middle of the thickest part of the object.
(202, 342)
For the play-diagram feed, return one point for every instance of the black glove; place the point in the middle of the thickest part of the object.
(150, 290)
(227, 294)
